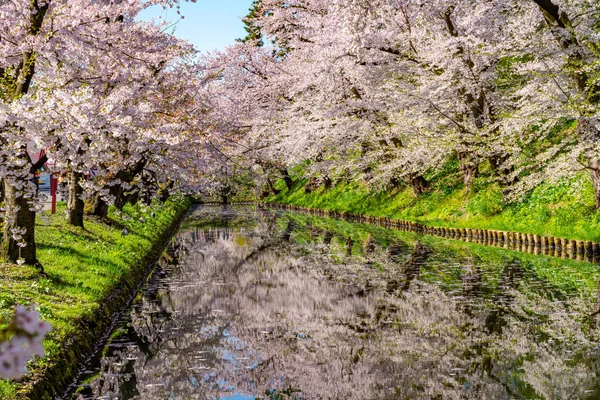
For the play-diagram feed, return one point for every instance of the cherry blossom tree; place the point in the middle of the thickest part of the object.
(351, 69)
(63, 53)
(554, 51)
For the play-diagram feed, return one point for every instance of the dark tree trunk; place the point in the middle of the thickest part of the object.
(496, 162)
(501, 172)
(148, 187)
(127, 177)
(469, 173)
(99, 207)
(18, 208)
(311, 185)
(119, 195)
(419, 184)
(19, 215)
(75, 203)
(133, 198)
(287, 178)
(165, 192)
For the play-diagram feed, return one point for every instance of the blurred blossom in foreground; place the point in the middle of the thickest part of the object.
(26, 333)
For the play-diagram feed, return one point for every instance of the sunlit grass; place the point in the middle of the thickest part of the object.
(82, 266)
(565, 209)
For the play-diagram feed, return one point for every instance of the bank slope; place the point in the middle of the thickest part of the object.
(563, 209)
(91, 274)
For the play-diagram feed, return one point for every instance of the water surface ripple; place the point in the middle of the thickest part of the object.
(251, 304)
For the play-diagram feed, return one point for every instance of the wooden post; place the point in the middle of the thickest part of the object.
(53, 184)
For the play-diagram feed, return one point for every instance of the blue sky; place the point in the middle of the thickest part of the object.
(208, 24)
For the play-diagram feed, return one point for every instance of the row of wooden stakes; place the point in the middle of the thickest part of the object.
(524, 242)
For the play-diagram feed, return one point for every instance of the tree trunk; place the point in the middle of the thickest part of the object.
(119, 194)
(501, 172)
(496, 162)
(418, 183)
(394, 183)
(99, 206)
(469, 173)
(133, 198)
(19, 216)
(165, 192)
(287, 178)
(468, 169)
(146, 189)
(595, 175)
(311, 185)
(75, 203)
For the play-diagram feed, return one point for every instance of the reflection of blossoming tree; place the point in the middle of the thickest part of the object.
(21, 341)
(281, 308)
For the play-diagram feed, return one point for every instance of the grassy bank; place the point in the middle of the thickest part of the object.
(89, 272)
(565, 209)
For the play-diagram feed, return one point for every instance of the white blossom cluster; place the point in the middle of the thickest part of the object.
(393, 90)
(116, 104)
(28, 332)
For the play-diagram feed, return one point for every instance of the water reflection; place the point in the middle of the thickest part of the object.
(251, 304)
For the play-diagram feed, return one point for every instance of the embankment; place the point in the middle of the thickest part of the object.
(561, 210)
(91, 275)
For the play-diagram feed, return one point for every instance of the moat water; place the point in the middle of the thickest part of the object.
(257, 304)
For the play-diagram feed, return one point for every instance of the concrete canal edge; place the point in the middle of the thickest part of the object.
(580, 250)
(53, 381)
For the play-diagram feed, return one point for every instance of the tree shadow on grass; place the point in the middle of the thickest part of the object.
(83, 258)
(82, 232)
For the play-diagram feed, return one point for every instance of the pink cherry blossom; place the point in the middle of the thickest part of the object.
(27, 331)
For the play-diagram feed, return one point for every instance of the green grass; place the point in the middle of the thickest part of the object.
(83, 266)
(565, 209)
